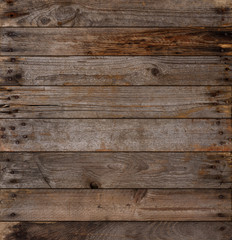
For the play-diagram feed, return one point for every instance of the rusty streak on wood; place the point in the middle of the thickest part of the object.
(115, 102)
(117, 13)
(116, 135)
(87, 70)
(116, 170)
(115, 205)
(115, 41)
(116, 230)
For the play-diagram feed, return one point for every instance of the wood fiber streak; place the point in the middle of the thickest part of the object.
(115, 41)
(107, 13)
(115, 205)
(115, 102)
(116, 230)
(115, 135)
(116, 170)
(87, 70)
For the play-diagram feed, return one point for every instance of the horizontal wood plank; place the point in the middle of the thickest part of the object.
(115, 135)
(115, 41)
(115, 205)
(115, 102)
(87, 70)
(116, 170)
(76, 13)
(116, 230)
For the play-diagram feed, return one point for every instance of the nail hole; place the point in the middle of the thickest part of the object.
(23, 124)
(222, 228)
(12, 127)
(24, 136)
(221, 196)
(13, 195)
(17, 142)
(221, 215)
(93, 185)
(12, 214)
(3, 129)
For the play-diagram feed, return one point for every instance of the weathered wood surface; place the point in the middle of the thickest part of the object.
(118, 13)
(115, 41)
(115, 102)
(116, 170)
(116, 230)
(115, 205)
(87, 70)
(115, 135)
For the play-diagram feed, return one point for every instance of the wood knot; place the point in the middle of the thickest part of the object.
(45, 20)
(222, 10)
(155, 71)
(139, 195)
(222, 228)
(65, 14)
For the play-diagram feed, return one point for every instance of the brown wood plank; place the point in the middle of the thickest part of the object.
(116, 230)
(115, 41)
(115, 135)
(115, 205)
(75, 13)
(115, 102)
(116, 170)
(87, 70)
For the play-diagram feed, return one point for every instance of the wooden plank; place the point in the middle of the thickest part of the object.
(87, 70)
(115, 205)
(115, 102)
(115, 41)
(116, 170)
(115, 135)
(116, 230)
(97, 13)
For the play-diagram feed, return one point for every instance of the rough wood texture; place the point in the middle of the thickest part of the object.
(116, 230)
(115, 41)
(115, 205)
(115, 102)
(115, 135)
(119, 13)
(87, 70)
(116, 170)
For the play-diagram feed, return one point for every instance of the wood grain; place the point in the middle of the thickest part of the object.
(116, 230)
(115, 41)
(54, 13)
(115, 102)
(115, 205)
(116, 170)
(115, 135)
(87, 70)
